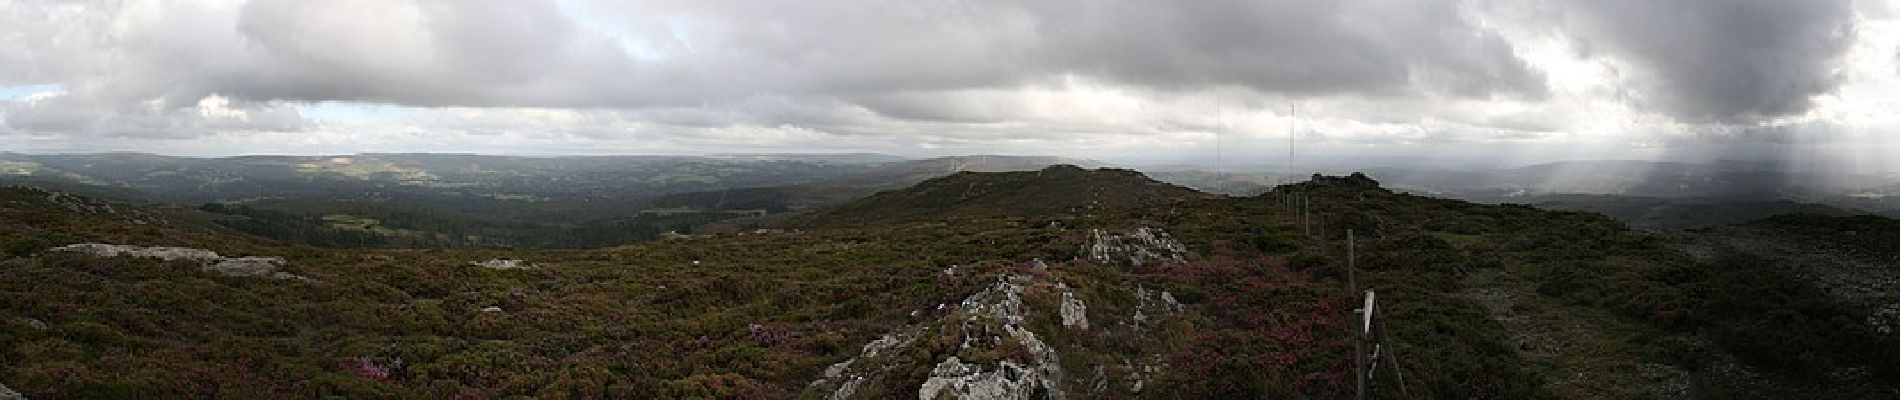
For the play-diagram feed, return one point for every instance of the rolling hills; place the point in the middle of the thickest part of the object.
(1064, 282)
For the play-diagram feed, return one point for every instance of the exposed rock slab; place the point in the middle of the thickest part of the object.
(266, 267)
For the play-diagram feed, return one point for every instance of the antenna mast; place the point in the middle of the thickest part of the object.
(1220, 170)
(1293, 118)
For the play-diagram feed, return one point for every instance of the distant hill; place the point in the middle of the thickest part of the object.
(1055, 189)
(906, 173)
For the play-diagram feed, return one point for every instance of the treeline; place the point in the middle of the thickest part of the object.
(289, 227)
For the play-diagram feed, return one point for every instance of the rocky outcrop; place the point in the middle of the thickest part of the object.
(991, 319)
(502, 263)
(852, 372)
(1148, 303)
(160, 252)
(1074, 313)
(269, 267)
(1008, 380)
(987, 346)
(1136, 248)
(8, 394)
(998, 306)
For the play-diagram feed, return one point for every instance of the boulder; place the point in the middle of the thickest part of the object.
(211, 262)
(247, 266)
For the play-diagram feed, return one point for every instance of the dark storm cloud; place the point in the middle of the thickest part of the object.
(1731, 61)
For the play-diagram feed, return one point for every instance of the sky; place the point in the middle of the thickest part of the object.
(1807, 82)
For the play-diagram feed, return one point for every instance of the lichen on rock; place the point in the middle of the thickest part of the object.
(1139, 247)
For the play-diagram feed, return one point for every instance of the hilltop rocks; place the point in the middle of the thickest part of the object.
(502, 263)
(210, 261)
(1139, 247)
(987, 346)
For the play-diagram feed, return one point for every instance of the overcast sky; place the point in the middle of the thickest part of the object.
(1511, 80)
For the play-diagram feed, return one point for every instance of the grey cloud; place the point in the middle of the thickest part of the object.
(77, 115)
(1366, 47)
(427, 53)
(50, 41)
(511, 53)
(1727, 61)
(933, 70)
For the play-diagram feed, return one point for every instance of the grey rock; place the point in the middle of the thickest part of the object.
(1007, 380)
(1074, 313)
(268, 267)
(8, 394)
(502, 263)
(247, 266)
(114, 250)
(990, 316)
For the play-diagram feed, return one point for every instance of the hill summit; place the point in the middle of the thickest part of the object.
(1055, 189)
